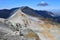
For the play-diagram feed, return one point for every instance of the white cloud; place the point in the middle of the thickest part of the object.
(42, 3)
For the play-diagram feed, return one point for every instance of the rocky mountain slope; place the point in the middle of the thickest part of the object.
(25, 25)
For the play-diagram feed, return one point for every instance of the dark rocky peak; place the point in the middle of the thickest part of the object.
(29, 11)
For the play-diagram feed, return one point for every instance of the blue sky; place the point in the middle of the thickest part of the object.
(53, 4)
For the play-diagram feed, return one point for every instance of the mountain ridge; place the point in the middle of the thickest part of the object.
(23, 25)
(23, 9)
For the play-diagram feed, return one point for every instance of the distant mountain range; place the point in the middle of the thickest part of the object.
(5, 13)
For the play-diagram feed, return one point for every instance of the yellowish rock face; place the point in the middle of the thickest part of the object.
(30, 35)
